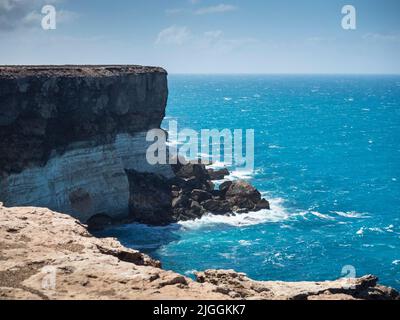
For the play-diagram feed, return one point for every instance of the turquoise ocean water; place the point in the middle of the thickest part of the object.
(327, 155)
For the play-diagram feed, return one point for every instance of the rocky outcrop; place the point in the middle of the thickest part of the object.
(239, 286)
(69, 134)
(48, 255)
(194, 194)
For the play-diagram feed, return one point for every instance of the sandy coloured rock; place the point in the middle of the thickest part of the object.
(49, 255)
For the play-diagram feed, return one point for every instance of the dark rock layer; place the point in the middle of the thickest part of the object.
(157, 200)
(68, 135)
(46, 109)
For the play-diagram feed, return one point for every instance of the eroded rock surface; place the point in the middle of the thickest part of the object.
(41, 248)
(48, 255)
(239, 286)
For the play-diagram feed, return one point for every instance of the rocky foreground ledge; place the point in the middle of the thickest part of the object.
(38, 246)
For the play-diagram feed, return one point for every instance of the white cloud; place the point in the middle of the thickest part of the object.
(173, 35)
(221, 8)
(213, 40)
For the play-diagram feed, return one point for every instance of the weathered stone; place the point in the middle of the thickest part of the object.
(242, 189)
(175, 194)
(209, 186)
(218, 174)
(192, 183)
(181, 201)
(242, 204)
(263, 204)
(216, 206)
(192, 170)
(224, 187)
(240, 286)
(200, 195)
(196, 209)
(99, 222)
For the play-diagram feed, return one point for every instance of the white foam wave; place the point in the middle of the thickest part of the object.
(321, 215)
(245, 243)
(273, 146)
(388, 229)
(241, 175)
(216, 164)
(351, 214)
(277, 214)
(190, 272)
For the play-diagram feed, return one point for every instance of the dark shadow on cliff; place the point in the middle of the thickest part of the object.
(147, 239)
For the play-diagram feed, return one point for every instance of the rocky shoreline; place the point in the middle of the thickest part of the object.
(49, 255)
(190, 194)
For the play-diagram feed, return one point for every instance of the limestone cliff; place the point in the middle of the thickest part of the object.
(48, 255)
(68, 134)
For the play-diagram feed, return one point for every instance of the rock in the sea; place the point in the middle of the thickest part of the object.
(242, 190)
(194, 182)
(263, 205)
(216, 206)
(219, 174)
(243, 197)
(224, 187)
(200, 195)
(190, 171)
(182, 201)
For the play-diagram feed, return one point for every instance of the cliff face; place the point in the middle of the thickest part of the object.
(48, 255)
(69, 133)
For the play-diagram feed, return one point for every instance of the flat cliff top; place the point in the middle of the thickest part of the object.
(75, 70)
(48, 255)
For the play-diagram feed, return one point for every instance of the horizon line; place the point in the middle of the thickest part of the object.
(283, 74)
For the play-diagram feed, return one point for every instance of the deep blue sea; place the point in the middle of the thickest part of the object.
(327, 155)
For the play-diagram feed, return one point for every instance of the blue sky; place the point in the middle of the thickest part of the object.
(206, 36)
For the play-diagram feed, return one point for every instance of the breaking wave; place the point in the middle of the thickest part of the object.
(277, 213)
